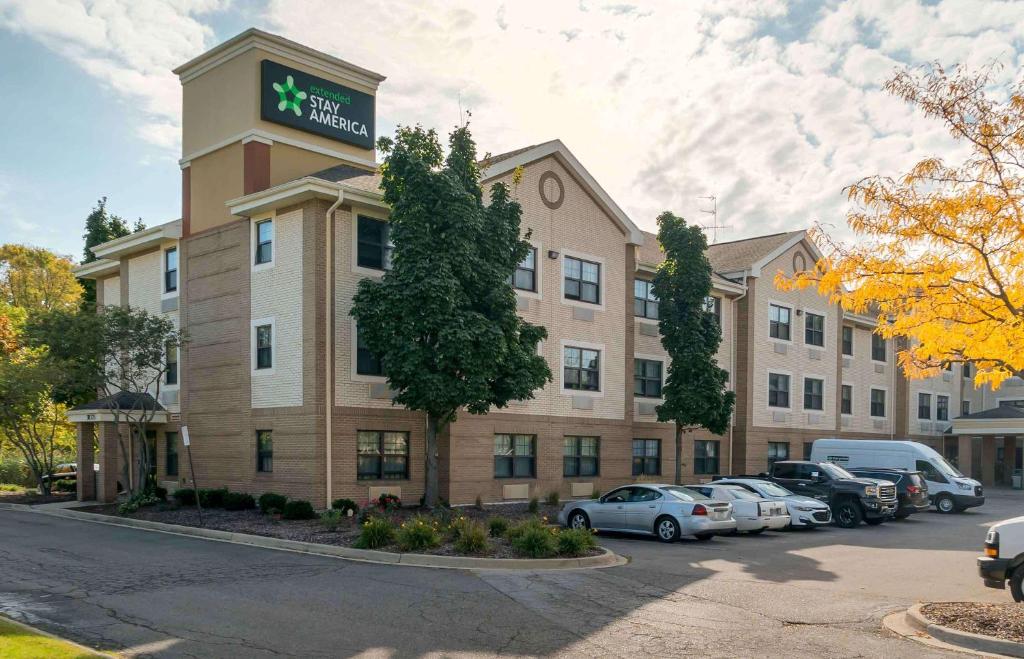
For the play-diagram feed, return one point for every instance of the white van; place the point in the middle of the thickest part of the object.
(948, 489)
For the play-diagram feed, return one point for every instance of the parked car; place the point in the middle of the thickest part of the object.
(754, 513)
(851, 499)
(803, 510)
(67, 471)
(1004, 557)
(911, 489)
(949, 490)
(664, 511)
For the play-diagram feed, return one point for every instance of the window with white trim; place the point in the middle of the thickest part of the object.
(264, 247)
(582, 280)
(264, 347)
(814, 329)
(778, 390)
(170, 270)
(814, 394)
(778, 322)
(582, 369)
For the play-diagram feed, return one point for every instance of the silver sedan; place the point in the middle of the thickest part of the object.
(664, 511)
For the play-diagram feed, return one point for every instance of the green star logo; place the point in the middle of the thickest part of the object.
(291, 97)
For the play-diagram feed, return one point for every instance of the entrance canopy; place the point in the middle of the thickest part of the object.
(128, 403)
(1000, 420)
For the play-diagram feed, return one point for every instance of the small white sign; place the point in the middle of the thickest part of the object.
(184, 435)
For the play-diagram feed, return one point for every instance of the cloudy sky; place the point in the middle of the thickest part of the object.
(770, 106)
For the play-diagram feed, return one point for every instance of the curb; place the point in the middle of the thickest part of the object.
(607, 559)
(86, 651)
(975, 642)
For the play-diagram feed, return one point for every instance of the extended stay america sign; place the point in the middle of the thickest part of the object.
(294, 98)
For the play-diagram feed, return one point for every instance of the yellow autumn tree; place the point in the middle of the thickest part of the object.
(939, 251)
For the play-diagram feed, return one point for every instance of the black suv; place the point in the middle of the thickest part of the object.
(911, 488)
(851, 499)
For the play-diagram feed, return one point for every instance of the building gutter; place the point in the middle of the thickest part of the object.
(732, 365)
(328, 341)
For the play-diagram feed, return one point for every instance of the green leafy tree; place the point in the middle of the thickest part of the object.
(100, 227)
(121, 349)
(695, 390)
(34, 279)
(443, 319)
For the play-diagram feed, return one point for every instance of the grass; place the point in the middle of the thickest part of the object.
(7, 487)
(19, 642)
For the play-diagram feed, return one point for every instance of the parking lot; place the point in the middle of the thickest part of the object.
(821, 592)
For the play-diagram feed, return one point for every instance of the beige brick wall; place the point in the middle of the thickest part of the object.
(864, 374)
(112, 291)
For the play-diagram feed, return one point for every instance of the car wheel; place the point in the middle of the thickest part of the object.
(874, 521)
(944, 504)
(579, 520)
(1017, 584)
(704, 537)
(667, 529)
(847, 515)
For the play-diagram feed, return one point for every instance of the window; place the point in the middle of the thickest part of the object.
(814, 394)
(713, 305)
(705, 456)
(373, 248)
(924, 406)
(878, 402)
(808, 447)
(264, 242)
(582, 280)
(877, 348)
(264, 450)
(367, 363)
(967, 370)
(847, 340)
(814, 329)
(777, 451)
(942, 408)
(171, 453)
(646, 457)
(171, 270)
(382, 455)
(846, 399)
(582, 369)
(778, 322)
(965, 407)
(171, 375)
(645, 302)
(778, 390)
(647, 378)
(264, 346)
(580, 456)
(525, 276)
(515, 456)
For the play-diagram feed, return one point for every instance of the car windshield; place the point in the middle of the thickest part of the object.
(773, 490)
(684, 493)
(835, 471)
(946, 469)
(741, 494)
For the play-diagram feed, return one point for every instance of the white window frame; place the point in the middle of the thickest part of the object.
(768, 316)
(259, 322)
(164, 293)
(931, 405)
(537, 274)
(257, 219)
(767, 390)
(602, 279)
(373, 215)
(949, 407)
(354, 361)
(853, 341)
(853, 398)
(824, 391)
(177, 385)
(664, 375)
(601, 371)
(888, 403)
(824, 328)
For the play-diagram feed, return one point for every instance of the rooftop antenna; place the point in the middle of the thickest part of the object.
(714, 226)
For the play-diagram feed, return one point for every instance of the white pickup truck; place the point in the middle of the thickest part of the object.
(1004, 557)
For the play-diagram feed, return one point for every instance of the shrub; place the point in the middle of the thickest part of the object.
(346, 506)
(213, 498)
(478, 504)
(534, 505)
(533, 539)
(239, 501)
(376, 532)
(457, 527)
(596, 494)
(332, 519)
(498, 526)
(64, 485)
(472, 539)
(298, 509)
(552, 498)
(367, 513)
(272, 501)
(185, 496)
(10, 487)
(417, 534)
(575, 542)
(136, 502)
(16, 472)
(160, 493)
(389, 501)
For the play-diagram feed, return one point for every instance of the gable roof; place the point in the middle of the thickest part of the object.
(351, 176)
(650, 254)
(750, 253)
(496, 166)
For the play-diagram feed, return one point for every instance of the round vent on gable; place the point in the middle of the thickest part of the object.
(799, 262)
(552, 192)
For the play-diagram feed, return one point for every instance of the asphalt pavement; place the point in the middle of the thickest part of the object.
(793, 594)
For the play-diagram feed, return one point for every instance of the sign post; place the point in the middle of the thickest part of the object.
(191, 467)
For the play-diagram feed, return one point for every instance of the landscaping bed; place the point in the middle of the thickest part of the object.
(1003, 621)
(501, 531)
(32, 497)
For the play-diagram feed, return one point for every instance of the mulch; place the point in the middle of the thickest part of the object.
(33, 498)
(255, 523)
(1004, 621)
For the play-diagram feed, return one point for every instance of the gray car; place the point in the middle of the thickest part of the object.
(664, 511)
(803, 510)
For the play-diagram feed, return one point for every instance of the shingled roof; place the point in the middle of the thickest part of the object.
(737, 255)
(353, 176)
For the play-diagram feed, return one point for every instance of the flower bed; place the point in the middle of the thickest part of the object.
(1004, 621)
(501, 531)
